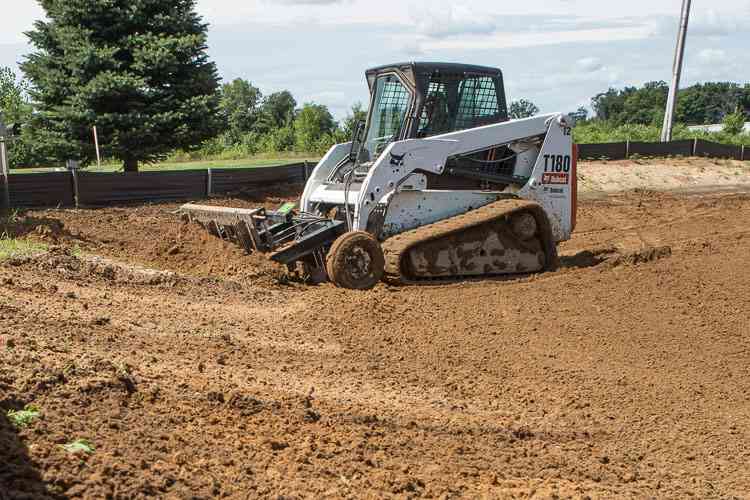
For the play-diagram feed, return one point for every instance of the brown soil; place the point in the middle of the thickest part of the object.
(623, 374)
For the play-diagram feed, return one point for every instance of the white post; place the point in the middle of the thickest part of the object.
(4, 165)
(666, 131)
(96, 143)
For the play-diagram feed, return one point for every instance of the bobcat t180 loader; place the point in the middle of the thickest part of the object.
(437, 185)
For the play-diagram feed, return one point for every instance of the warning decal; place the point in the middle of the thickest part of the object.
(555, 178)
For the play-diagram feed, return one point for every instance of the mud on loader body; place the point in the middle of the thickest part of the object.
(438, 184)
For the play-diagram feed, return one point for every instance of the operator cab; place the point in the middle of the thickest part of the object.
(421, 99)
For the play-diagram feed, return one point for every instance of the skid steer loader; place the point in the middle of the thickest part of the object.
(437, 185)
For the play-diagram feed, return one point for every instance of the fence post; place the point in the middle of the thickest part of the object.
(73, 167)
(96, 144)
(307, 172)
(742, 154)
(4, 173)
(627, 148)
(695, 147)
(209, 183)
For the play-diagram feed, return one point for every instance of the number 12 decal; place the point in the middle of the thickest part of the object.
(557, 163)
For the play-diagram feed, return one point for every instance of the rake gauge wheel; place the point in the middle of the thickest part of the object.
(355, 261)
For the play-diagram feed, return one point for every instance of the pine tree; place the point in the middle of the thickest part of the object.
(137, 69)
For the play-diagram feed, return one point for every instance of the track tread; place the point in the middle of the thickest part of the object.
(396, 247)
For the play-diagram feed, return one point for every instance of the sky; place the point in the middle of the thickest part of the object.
(556, 53)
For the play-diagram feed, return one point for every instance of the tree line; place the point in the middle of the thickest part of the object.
(139, 71)
(700, 104)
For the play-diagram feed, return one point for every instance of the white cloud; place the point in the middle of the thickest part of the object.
(440, 21)
(712, 56)
(505, 40)
(706, 23)
(714, 23)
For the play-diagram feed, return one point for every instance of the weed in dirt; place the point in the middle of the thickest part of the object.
(23, 418)
(79, 446)
(11, 218)
(11, 248)
(69, 369)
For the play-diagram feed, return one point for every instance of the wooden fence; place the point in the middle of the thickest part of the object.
(81, 188)
(689, 147)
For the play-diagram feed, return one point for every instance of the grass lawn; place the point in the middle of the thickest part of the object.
(14, 247)
(254, 162)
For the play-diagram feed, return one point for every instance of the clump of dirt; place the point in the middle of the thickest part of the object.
(610, 256)
(648, 254)
(588, 257)
(20, 225)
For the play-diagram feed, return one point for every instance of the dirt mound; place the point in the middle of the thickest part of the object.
(19, 225)
(156, 237)
(190, 249)
(76, 266)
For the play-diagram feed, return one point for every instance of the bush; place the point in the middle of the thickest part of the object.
(734, 123)
(278, 140)
(600, 131)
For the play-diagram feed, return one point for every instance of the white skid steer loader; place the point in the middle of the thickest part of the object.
(437, 185)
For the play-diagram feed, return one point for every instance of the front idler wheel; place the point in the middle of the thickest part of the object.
(355, 261)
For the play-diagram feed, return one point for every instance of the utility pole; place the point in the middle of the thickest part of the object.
(666, 131)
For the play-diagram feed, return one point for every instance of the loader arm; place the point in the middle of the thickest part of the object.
(546, 174)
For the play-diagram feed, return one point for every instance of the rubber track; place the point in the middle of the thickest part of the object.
(396, 247)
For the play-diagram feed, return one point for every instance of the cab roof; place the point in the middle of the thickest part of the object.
(432, 67)
(417, 74)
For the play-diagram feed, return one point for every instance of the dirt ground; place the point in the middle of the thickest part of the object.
(195, 371)
(675, 174)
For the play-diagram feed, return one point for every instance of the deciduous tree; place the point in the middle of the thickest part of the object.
(240, 105)
(523, 109)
